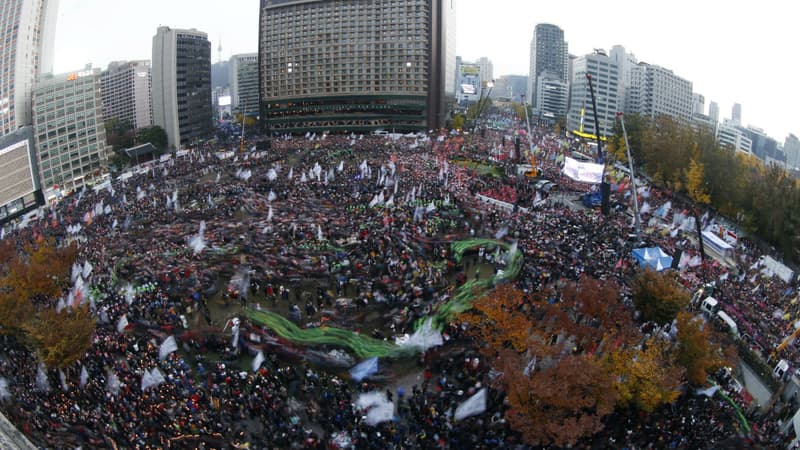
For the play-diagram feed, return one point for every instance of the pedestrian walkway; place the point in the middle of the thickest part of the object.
(11, 438)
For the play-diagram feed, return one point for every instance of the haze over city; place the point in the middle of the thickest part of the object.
(720, 47)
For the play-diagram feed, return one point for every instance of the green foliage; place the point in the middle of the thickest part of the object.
(458, 122)
(658, 297)
(154, 135)
(765, 201)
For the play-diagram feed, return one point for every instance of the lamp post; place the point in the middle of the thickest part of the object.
(481, 106)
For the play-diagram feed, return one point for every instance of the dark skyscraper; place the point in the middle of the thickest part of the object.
(181, 84)
(549, 54)
(352, 65)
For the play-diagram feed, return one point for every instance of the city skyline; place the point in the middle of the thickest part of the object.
(704, 43)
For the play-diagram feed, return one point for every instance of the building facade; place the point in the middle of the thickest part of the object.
(736, 114)
(126, 93)
(244, 83)
(732, 136)
(791, 147)
(549, 52)
(713, 112)
(20, 190)
(468, 82)
(487, 68)
(28, 31)
(348, 65)
(655, 91)
(181, 85)
(605, 79)
(552, 97)
(68, 130)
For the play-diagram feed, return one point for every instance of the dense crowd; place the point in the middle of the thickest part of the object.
(322, 228)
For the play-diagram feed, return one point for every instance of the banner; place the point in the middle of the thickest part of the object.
(583, 171)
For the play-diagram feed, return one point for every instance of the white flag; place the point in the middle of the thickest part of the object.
(122, 324)
(84, 376)
(472, 406)
(258, 360)
(168, 346)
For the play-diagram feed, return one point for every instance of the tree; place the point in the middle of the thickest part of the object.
(154, 135)
(657, 296)
(696, 351)
(62, 337)
(561, 404)
(33, 279)
(695, 184)
(458, 122)
(119, 133)
(551, 354)
(646, 376)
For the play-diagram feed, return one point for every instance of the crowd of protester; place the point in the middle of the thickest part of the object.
(315, 225)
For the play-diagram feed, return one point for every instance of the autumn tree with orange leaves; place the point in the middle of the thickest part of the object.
(569, 358)
(697, 350)
(34, 276)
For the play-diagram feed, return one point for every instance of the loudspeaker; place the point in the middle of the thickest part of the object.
(605, 192)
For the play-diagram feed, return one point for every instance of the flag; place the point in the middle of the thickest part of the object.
(364, 369)
(168, 346)
(122, 324)
(258, 360)
(472, 406)
(84, 376)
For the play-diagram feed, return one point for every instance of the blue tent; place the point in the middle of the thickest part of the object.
(652, 257)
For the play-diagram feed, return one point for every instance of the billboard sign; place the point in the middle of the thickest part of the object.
(16, 172)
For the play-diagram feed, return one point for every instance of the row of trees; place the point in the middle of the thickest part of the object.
(765, 200)
(569, 361)
(120, 135)
(34, 276)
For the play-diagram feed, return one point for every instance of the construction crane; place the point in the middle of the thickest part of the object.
(533, 173)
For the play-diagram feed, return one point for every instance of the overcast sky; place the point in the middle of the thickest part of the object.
(732, 53)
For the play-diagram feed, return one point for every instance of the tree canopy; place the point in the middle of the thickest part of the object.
(35, 275)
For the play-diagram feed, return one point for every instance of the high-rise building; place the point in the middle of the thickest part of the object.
(549, 52)
(698, 104)
(244, 83)
(736, 114)
(126, 93)
(763, 147)
(181, 85)
(626, 62)
(605, 77)
(734, 137)
(713, 112)
(487, 68)
(27, 28)
(68, 130)
(553, 96)
(344, 65)
(469, 83)
(791, 147)
(655, 91)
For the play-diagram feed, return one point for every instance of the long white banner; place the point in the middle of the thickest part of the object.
(583, 171)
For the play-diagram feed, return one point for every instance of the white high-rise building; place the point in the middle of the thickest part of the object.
(126, 93)
(549, 52)
(713, 112)
(736, 114)
(698, 104)
(656, 91)
(181, 85)
(605, 78)
(244, 83)
(732, 136)
(791, 147)
(487, 68)
(27, 28)
(625, 62)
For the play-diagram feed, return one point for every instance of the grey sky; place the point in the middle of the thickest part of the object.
(731, 53)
